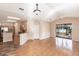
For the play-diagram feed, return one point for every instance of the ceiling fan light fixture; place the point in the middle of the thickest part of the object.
(36, 11)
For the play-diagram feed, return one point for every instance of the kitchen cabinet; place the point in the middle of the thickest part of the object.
(59, 42)
(7, 36)
(23, 38)
(69, 44)
(64, 43)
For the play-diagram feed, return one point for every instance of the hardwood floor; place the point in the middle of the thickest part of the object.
(7, 49)
(44, 47)
(76, 48)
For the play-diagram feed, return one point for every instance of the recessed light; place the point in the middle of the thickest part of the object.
(13, 18)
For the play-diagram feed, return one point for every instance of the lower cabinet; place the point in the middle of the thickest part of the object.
(59, 42)
(23, 38)
(64, 43)
(69, 44)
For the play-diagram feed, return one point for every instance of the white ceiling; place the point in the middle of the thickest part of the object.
(48, 11)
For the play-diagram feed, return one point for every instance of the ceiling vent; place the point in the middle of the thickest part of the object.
(21, 9)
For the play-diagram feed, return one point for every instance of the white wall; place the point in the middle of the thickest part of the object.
(44, 30)
(38, 29)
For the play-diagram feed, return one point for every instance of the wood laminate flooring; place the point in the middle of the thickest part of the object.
(45, 47)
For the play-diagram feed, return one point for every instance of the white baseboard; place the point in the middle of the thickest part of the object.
(44, 36)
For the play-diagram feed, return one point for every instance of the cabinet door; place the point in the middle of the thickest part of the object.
(56, 42)
(59, 42)
(69, 44)
(64, 43)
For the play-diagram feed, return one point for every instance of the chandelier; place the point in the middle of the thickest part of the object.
(36, 11)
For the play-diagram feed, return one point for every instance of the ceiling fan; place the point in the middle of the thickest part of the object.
(36, 11)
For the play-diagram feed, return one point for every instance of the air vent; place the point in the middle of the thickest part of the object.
(21, 9)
